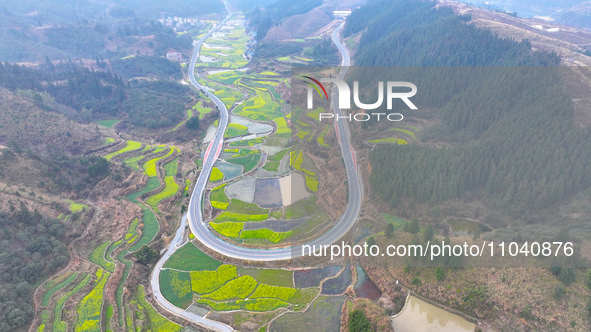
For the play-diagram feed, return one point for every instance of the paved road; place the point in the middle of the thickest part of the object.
(199, 228)
(178, 238)
(342, 226)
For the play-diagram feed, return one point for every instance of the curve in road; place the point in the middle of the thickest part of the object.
(341, 227)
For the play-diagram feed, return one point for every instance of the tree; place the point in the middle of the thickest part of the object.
(429, 233)
(358, 322)
(414, 226)
(371, 241)
(440, 273)
(146, 255)
(389, 230)
(193, 123)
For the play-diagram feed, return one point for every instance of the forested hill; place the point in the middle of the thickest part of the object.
(92, 95)
(509, 136)
(419, 34)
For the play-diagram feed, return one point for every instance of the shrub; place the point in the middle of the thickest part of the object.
(358, 322)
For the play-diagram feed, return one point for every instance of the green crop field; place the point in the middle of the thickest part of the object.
(312, 183)
(268, 73)
(315, 114)
(395, 221)
(269, 276)
(271, 166)
(282, 127)
(89, 309)
(158, 323)
(132, 229)
(218, 198)
(261, 107)
(108, 123)
(279, 155)
(108, 317)
(176, 287)
(97, 256)
(189, 116)
(58, 324)
(110, 250)
(108, 140)
(151, 184)
(202, 110)
(77, 207)
(408, 132)
(303, 135)
(203, 282)
(248, 162)
(236, 289)
(150, 165)
(390, 140)
(171, 168)
(250, 305)
(235, 129)
(228, 229)
(131, 146)
(239, 217)
(133, 162)
(250, 142)
(151, 228)
(119, 291)
(216, 175)
(170, 189)
(159, 148)
(265, 233)
(190, 258)
(50, 292)
(239, 206)
(282, 293)
(320, 138)
(277, 214)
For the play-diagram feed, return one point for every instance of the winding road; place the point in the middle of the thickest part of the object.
(341, 227)
(194, 212)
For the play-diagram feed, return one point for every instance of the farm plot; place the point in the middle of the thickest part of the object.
(58, 324)
(157, 323)
(133, 162)
(176, 287)
(269, 276)
(190, 258)
(261, 106)
(89, 309)
(218, 198)
(97, 256)
(52, 290)
(203, 282)
(170, 189)
(151, 228)
(388, 140)
(131, 146)
(150, 165)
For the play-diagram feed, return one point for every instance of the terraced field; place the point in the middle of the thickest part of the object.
(98, 255)
(131, 146)
(89, 309)
(58, 324)
(226, 287)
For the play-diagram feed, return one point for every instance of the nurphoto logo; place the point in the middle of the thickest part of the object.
(344, 98)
